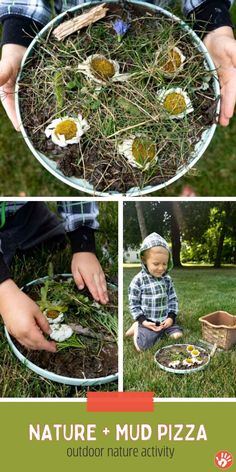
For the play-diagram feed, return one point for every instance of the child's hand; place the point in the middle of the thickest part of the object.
(12, 55)
(222, 48)
(23, 318)
(167, 323)
(87, 271)
(151, 325)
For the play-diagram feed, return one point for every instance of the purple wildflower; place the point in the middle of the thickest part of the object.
(120, 28)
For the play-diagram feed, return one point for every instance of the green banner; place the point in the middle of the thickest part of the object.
(60, 436)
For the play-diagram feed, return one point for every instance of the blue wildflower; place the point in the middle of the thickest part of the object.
(120, 28)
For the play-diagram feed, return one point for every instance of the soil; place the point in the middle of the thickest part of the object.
(96, 158)
(96, 359)
(77, 363)
(167, 355)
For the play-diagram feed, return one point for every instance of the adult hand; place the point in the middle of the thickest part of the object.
(222, 48)
(23, 318)
(12, 55)
(167, 323)
(87, 271)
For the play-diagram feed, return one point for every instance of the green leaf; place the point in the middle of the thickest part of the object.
(127, 106)
(50, 270)
(73, 84)
(95, 105)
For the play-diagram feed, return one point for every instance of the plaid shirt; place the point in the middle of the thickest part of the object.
(40, 10)
(149, 296)
(73, 214)
(152, 297)
(190, 5)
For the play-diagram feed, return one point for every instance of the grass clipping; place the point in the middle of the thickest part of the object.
(52, 86)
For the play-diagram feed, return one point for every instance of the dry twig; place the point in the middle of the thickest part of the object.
(78, 329)
(79, 22)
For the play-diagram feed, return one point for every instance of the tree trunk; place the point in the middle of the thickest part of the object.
(234, 242)
(227, 208)
(141, 219)
(175, 233)
(234, 256)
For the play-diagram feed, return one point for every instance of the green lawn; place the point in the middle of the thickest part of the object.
(214, 174)
(200, 291)
(16, 380)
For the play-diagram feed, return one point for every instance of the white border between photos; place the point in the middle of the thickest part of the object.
(119, 200)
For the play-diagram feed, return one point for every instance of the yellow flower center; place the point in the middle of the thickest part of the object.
(190, 348)
(173, 63)
(174, 103)
(102, 68)
(189, 361)
(68, 128)
(143, 150)
(53, 314)
(195, 352)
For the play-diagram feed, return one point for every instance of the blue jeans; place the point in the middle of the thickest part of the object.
(146, 338)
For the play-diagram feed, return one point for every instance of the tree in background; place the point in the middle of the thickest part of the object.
(154, 217)
(220, 235)
(144, 218)
(141, 219)
(176, 217)
(200, 232)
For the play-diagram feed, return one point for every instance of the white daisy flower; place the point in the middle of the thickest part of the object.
(188, 362)
(190, 348)
(195, 353)
(174, 364)
(102, 70)
(60, 332)
(176, 102)
(66, 130)
(171, 61)
(54, 316)
(139, 151)
(197, 361)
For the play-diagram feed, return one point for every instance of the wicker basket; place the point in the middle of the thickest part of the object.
(219, 328)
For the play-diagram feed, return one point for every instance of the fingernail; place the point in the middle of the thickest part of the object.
(80, 287)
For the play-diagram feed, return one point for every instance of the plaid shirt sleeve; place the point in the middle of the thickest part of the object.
(209, 15)
(36, 10)
(173, 305)
(77, 214)
(190, 5)
(135, 299)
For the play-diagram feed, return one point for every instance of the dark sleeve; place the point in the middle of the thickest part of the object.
(141, 318)
(82, 239)
(172, 315)
(19, 30)
(4, 270)
(211, 15)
